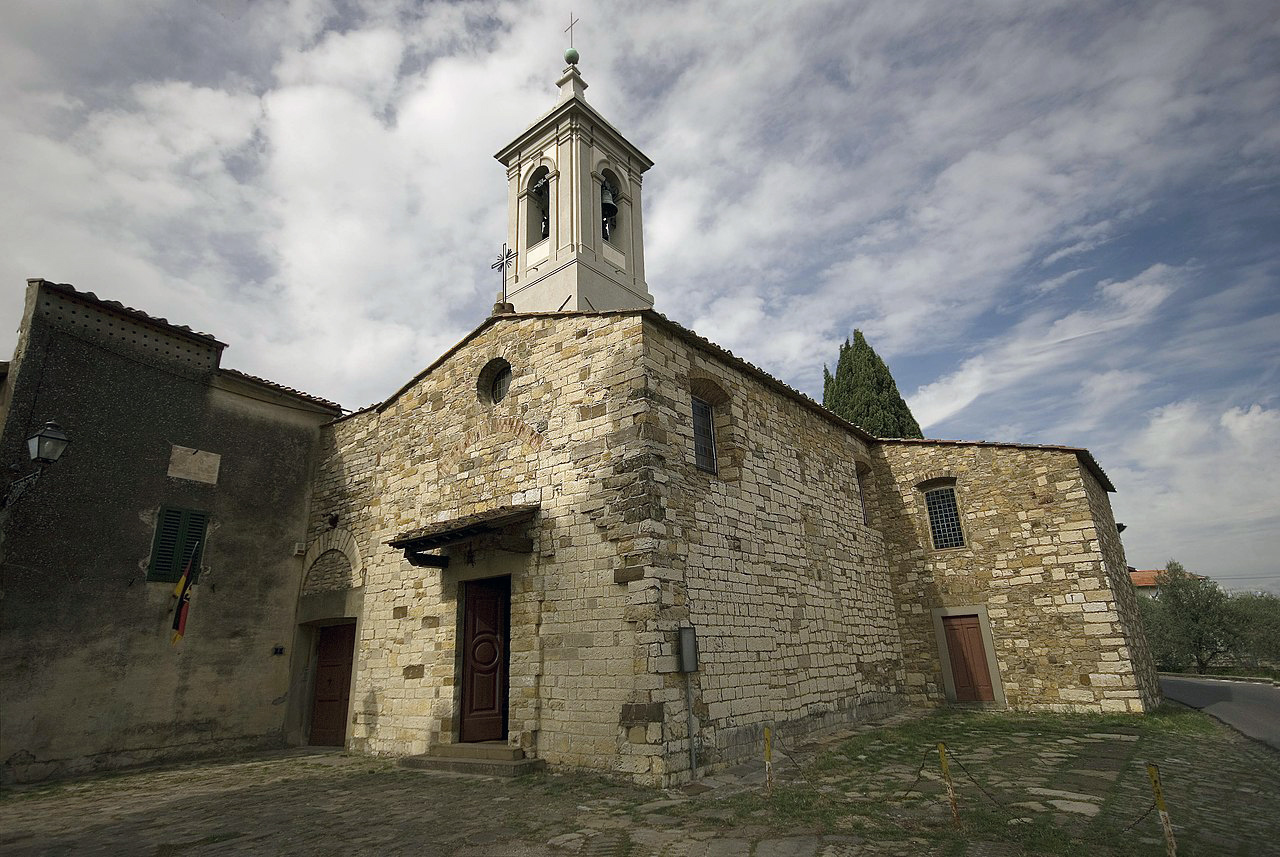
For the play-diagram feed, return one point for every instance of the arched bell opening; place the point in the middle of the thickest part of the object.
(610, 208)
(538, 207)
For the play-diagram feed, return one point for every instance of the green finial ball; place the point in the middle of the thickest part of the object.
(571, 56)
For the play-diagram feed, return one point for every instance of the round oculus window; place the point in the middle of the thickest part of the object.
(501, 384)
(494, 382)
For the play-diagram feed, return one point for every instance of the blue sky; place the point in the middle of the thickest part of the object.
(1058, 222)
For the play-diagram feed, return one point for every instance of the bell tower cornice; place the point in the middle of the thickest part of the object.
(574, 213)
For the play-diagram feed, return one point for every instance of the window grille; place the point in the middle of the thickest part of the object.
(704, 436)
(944, 518)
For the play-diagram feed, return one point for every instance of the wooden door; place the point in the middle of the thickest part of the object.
(968, 659)
(486, 611)
(333, 685)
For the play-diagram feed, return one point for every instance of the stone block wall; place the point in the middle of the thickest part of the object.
(1128, 618)
(1039, 555)
(567, 436)
(769, 559)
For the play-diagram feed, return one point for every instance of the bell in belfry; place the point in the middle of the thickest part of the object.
(608, 207)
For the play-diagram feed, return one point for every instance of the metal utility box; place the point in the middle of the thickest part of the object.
(688, 650)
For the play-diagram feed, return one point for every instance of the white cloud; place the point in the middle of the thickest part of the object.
(1042, 345)
(1199, 486)
(312, 181)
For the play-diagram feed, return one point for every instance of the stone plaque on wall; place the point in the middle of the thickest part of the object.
(194, 464)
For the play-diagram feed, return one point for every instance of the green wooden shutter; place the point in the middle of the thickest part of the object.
(165, 546)
(193, 529)
(178, 533)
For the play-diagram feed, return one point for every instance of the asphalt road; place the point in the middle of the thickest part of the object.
(1251, 707)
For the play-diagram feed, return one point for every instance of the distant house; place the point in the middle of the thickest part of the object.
(1144, 580)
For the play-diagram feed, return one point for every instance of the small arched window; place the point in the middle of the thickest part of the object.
(944, 513)
(709, 405)
(538, 207)
(862, 472)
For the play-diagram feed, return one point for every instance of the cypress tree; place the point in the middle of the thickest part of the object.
(864, 393)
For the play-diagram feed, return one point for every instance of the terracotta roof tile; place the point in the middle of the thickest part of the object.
(315, 400)
(1147, 577)
(135, 314)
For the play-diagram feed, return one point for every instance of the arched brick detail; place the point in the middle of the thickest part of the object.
(525, 433)
(709, 391)
(936, 478)
(339, 540)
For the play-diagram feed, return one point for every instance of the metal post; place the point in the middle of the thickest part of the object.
(951, 788)
(693, 751)
(1170, 845)
(768, 759)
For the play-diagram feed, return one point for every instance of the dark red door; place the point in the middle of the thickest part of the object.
(968, 659)
(333, 685)
(486, 611)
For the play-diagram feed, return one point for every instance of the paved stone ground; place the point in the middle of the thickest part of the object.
(1027, 785)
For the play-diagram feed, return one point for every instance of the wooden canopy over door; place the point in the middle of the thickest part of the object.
(968, 659)
(486, 610)
(334, 652)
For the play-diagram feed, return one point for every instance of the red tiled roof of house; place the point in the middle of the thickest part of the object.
(1147, 577)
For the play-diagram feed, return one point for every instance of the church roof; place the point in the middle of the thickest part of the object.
(704, 344)
(572, 104)
(1085, 456)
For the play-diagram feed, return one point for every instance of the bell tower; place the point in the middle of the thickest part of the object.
(573, 210)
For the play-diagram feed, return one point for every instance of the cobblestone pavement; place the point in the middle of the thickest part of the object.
(1026, 785)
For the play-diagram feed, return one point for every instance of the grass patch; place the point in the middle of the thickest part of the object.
(886, 783)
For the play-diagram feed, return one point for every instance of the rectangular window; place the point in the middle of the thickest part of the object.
(704, 436)
(179, 539)
(944, 518)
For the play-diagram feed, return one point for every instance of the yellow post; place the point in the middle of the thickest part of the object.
(768, 758)
(951, 788)
(1170, 845)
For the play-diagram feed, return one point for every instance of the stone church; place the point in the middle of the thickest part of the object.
(584, 536)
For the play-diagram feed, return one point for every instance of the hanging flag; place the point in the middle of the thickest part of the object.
(182, 591)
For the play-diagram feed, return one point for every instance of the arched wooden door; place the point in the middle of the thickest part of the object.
(486, 611)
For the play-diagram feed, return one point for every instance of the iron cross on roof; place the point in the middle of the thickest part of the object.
(505, 258)
(569, 29)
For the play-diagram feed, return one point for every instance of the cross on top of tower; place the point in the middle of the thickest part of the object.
(571, 55)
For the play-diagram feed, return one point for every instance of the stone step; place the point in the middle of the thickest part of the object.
(490, 758)
(474, 765)
(495, 750)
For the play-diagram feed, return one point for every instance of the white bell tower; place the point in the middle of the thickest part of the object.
(573, 210)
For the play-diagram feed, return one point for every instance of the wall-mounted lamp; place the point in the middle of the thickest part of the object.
(45, 447)
(1120, 528)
